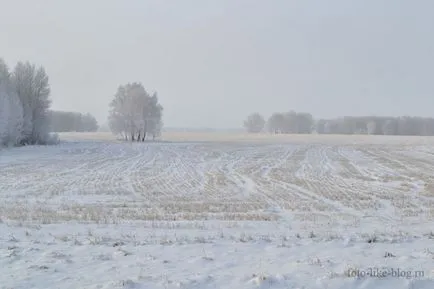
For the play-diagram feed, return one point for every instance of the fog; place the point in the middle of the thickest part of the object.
(214, 62)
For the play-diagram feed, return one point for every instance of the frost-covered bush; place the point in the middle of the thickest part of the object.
(53, 139)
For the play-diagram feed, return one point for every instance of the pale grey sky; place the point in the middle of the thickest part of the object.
(214, 62)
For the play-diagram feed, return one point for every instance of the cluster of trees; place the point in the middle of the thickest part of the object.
(290, 122)
(293, 122)
(286, 122)
(134, 113)
(24, 104)
(63, 121)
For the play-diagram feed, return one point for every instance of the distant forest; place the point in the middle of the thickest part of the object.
(304, 123)
(64, 121)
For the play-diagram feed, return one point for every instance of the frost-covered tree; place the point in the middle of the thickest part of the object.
(4, 102)
(11, 112)
(89, 123)
(305, 123)
(371, 127)
(254, 123)
(134, 113)
(24, 104)
(276, 123)
(152, 115)
(389, 127)
(33, 90)
(290, 122)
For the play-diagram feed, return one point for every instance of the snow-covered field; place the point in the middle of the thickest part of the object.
(218, 214)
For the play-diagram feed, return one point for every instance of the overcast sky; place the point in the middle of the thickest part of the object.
(214, 62)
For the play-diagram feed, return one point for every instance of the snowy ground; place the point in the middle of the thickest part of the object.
(104, 214)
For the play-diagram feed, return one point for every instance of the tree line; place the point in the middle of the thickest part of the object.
(67, 121)
(377, 125)
(134, 113)
(24, 104)
(304, 123)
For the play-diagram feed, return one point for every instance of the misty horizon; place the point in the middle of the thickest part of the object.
(208, 59)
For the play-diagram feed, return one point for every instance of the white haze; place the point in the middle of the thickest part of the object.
(214, 62)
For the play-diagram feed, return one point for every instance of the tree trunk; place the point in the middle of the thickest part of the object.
(145, 130)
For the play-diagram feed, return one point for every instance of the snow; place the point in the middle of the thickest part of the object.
(101, 214)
